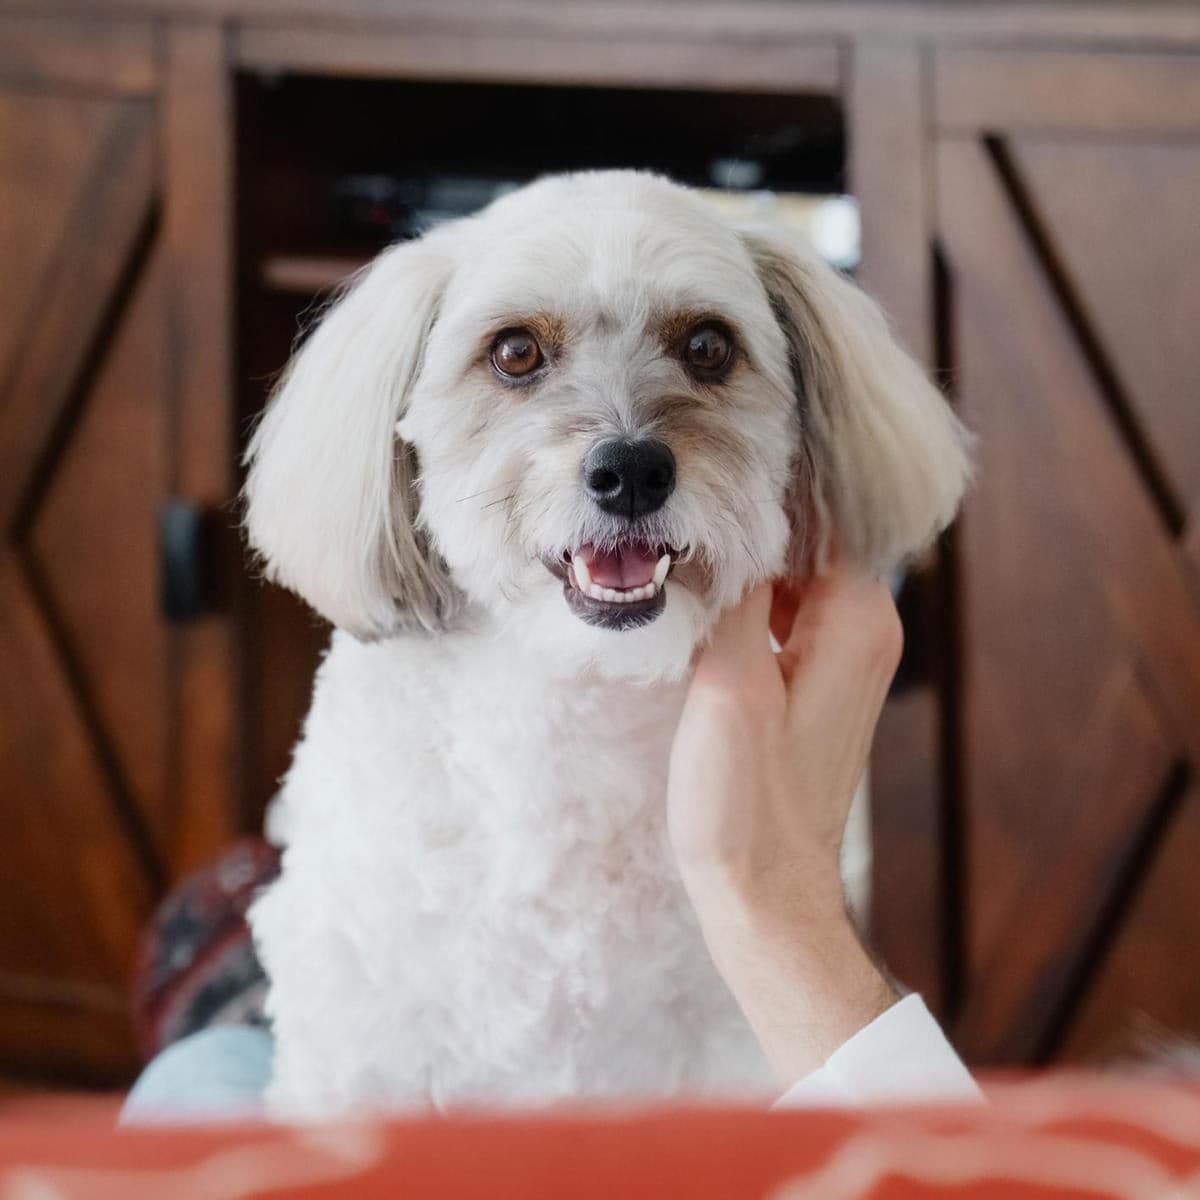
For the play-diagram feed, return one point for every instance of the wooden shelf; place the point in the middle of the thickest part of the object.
(305, 274)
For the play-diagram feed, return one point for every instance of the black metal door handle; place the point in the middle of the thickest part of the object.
(187, 556)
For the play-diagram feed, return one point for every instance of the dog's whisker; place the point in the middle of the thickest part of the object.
(494, 503)
(485, 491)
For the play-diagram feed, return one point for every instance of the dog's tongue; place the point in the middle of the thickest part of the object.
(629, 567)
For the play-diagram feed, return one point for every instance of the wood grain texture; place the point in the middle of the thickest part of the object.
(1125, 219)
(91, 543)
(82, 692)
(1075, 91)
(305, 275)
(1040, 958)
(503, 54)
(887, 126)
(78, 52)
(110, 206)
(1147, 989)
(1013, 23)
(886, 119)
(1071, 580)
(48, 145)
(73, 893)
(908, 896)
(198, 248)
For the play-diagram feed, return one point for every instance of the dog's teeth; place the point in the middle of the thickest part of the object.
(583, 578)
(660, 571)
(614, 595)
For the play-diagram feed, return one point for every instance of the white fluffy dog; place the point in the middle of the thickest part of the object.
(522, 465)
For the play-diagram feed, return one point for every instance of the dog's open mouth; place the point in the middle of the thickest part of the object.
(618, 587)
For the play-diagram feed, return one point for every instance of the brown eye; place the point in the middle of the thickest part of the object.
(515, 353)
(708, 349)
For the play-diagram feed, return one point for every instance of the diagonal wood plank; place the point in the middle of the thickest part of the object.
(49, 146)
(110, 213)
(91, 542)
(1069, 575)
(1125, 219)
(1024, 988)
(75, 907)
(1147, 984)
(1063, 444)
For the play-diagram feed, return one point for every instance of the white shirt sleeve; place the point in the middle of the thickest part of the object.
(903, 1055)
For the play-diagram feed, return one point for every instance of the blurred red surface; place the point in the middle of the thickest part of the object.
(1052, 1136)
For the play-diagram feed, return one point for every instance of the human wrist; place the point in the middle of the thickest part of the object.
(798, 969)
(803, 893)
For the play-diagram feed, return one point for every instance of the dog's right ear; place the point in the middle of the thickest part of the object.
(331, 494)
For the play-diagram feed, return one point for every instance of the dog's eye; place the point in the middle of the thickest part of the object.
(515, 353)
(708, 349)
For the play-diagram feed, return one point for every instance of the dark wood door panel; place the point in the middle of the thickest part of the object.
(1146, 991)
(70, 1036)
(72, 889)
(1073, 879)
(85, 693)
(51, 145)
(1124, 218)
(89, 550)
(1075, 591)
(116, 726)
(69, 290)
(1070, 90)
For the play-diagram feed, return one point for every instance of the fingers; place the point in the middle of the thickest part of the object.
(851, 618)
(785, 602)
(838, 622)
(740, 641)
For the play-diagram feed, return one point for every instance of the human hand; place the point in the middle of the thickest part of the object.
(768, 754)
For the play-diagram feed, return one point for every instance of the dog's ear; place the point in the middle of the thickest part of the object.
(884, 460)
(331, 500)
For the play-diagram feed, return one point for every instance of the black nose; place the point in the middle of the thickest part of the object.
(629, 477)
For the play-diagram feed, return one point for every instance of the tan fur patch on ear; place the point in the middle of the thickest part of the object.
(887, 460)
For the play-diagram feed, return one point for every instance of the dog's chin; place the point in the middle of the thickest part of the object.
(621, 617)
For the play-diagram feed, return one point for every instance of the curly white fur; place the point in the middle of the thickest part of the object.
(477, 900)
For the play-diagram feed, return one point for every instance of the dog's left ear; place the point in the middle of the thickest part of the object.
(331, 493)
(885, 461)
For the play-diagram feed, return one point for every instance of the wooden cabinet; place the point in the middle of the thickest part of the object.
(1029, 186)
(1067, 193)
(114, 723)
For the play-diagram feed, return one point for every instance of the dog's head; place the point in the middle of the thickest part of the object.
(596, 412)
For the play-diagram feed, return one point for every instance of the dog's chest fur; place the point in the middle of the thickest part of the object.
(478, 900)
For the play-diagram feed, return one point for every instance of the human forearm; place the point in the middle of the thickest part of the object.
(768, 754)
(798, 971)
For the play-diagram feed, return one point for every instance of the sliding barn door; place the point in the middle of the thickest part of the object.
(114, 764)
(1067, 194)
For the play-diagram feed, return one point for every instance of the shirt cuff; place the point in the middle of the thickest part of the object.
(902, 1055)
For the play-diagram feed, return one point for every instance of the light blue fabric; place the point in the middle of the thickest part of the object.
(218, 1074)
